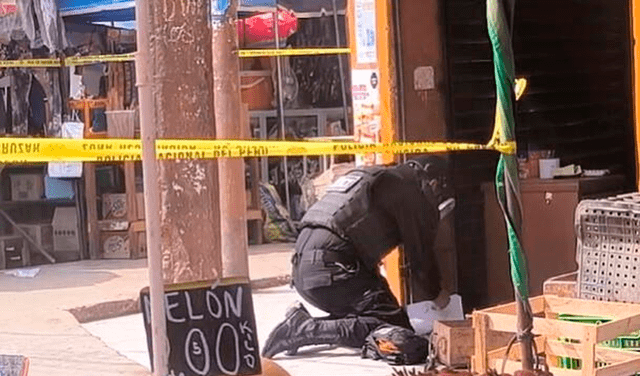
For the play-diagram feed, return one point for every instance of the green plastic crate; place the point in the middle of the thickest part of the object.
(629, 342)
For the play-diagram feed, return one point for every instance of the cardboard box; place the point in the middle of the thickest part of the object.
(115, 245)
(114, 206)
(13, 252)
(26, 187)
(42, 233)
(65, 230)
(454, 342)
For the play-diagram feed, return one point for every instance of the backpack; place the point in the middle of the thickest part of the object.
(395, 345)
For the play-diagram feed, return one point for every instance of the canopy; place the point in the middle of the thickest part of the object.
(83, 11)
(121, 10)
(97, 10)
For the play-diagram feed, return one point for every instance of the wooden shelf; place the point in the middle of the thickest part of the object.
(55, 202)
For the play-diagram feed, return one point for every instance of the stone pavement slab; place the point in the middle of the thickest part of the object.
(35, 322)
(36, 317)
(126, 336)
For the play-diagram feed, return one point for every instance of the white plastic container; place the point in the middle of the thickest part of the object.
(547, 166)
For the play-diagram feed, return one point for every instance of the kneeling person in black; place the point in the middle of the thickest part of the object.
(363, 216)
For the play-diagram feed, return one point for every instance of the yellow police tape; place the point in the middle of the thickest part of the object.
(69, 61)
(86, 60)
(293, 52)
(23, 150)
(30, 63)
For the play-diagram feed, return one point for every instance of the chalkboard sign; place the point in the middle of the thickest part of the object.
(211, 328)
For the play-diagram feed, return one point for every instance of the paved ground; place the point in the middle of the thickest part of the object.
(40, 318)
(126, 335)
(35, 319)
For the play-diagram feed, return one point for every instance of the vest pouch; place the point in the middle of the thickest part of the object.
(312, 267)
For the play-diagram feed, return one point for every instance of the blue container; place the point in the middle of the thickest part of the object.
(58, 188)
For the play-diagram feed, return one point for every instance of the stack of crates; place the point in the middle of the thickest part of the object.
(629, 342)
(608, 248)
(608, 256)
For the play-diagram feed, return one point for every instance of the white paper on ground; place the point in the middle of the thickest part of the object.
(23, 273)
(423, 314)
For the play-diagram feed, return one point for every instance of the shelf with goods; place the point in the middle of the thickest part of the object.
(297, 97)
(115, 212)
(41, 217)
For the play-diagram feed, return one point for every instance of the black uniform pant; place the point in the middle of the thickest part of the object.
(329, 275)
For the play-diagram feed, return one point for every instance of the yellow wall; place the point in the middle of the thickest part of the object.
(388, 113)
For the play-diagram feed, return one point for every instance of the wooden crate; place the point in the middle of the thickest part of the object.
(549, 331)
(115, 245)
(453, 341)
(563, 285)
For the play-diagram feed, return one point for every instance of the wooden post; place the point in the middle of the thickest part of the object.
(387, 66)
(183, 106)
(115, 103)
(230, 126)
(181, 196)
(132, 214)
(589, 351)
(144, 73)
(90, 189)
(480, 329)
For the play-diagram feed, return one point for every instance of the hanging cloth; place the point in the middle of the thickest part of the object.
(51, 31)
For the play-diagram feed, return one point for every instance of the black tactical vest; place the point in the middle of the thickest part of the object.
(346, 209)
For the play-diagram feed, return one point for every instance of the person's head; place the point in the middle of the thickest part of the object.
(432, 172)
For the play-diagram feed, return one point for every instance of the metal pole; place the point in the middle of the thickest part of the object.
(276, 24)
(144, 70)
(228, 110)
(500, 26)
(341, 67)
(399, 60)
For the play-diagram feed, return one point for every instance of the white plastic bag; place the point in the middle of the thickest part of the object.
(73, 130)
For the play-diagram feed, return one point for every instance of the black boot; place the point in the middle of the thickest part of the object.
(300, 329)
(299, 310)
(278, 339)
